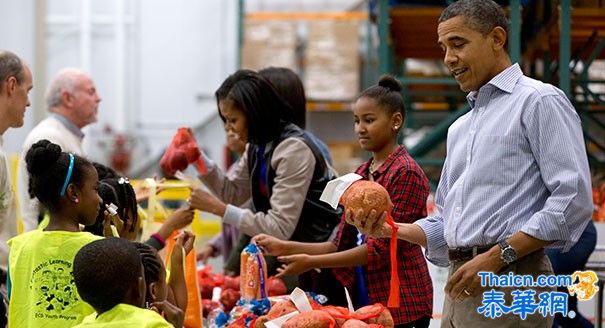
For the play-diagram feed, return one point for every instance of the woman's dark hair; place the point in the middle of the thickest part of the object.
(387, 93)
(151, 264)
(47, 166)
(105, 271)
(265, 111)
(290, 88)
(119, 192)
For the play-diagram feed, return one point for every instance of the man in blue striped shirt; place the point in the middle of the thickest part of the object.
(515, 178)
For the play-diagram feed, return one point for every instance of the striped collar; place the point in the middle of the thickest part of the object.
(505, 81)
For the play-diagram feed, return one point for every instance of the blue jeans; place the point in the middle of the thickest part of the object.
(568, 263)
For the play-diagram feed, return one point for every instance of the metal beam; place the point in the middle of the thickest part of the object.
(514, 37)
(438, 133)
(565, 46)
(384, 56)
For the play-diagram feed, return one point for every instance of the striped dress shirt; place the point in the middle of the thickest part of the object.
(515, 162)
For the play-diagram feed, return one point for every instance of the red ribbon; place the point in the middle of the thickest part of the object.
(394, 288)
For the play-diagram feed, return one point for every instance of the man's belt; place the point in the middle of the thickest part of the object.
(461, 254)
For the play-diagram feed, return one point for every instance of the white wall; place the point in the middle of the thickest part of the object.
(17, 26)
(174, 56)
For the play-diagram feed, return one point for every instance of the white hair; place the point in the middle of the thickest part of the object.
(64, 80)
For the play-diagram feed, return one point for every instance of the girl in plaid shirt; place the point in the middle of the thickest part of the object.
(362, 264)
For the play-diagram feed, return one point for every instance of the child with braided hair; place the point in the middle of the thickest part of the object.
(117, 190)
(175, 291)
(40, 283)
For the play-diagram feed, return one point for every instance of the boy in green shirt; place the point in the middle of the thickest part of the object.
(109, 276)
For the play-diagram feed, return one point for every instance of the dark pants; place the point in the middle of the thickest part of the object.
(567, 264)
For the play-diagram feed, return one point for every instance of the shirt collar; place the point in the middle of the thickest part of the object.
(68, 125)
(365, 168)
(505, 81)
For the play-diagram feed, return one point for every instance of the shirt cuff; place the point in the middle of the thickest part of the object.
(551, 226)
(436, 246)
(233, 215)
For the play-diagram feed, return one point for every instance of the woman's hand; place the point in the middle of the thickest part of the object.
(206, 202)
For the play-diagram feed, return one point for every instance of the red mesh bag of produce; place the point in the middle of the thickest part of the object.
(366, 196)
(182, 151)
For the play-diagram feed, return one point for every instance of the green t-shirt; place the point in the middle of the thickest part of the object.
(43, 292)
(125, 316)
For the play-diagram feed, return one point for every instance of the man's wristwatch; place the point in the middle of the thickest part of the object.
(507, 252)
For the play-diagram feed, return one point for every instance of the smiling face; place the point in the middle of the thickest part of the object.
(472, 57)
(235, 120)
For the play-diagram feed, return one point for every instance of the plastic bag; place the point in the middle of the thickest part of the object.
(253, 273)
(182, 151)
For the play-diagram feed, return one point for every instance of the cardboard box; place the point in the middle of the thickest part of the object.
(269, 43)
(331, 60)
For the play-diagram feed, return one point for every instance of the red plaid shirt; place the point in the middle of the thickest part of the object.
(408, 187)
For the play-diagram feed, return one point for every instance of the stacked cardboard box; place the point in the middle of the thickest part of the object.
(269, 43)
(331, 60)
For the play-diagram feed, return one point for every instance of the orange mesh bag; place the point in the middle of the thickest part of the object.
(366, 196)
(372, 314)
(182, 151)
(193, 315)
(311, 319)
(375, 314)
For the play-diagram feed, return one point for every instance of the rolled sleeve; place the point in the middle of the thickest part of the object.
(556, 140)
(436, 250)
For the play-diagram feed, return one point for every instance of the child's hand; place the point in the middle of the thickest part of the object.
(185, 240)
(294, 264)
(171, 313)
(206, 252)
(180, 218)
(107, 224)
(124, 229)
(271, 245)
